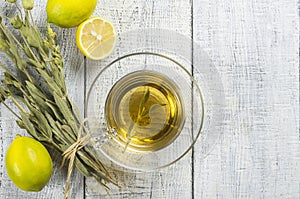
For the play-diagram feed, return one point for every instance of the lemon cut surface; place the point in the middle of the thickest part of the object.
(95, 38)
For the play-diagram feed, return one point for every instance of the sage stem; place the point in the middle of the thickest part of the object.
(12, 111)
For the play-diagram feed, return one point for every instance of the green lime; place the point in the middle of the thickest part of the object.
(69, 13)
(28, 164)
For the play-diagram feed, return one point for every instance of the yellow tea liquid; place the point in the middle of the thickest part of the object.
(146, 110)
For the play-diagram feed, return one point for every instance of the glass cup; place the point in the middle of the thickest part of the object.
(144, 145)
(174, 98)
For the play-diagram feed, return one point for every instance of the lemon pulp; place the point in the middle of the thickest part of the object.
(95, 38)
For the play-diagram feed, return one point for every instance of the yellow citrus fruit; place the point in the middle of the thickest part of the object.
(69, 13)
(95, 38)
(28, 164)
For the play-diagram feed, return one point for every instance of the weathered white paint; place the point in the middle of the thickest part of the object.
(8, 127)
(173, 182)
(255, 47)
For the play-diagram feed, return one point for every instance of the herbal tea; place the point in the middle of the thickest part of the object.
(146, 110)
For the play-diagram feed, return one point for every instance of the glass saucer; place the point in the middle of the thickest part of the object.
(182, 63)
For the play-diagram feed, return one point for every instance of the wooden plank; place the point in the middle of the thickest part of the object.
(8, 127)
(175, 181)
(255, 47)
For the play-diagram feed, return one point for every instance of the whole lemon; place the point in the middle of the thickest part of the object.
(28, 164)
(69, 13)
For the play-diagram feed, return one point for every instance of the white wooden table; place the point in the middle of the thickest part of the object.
(254, 45)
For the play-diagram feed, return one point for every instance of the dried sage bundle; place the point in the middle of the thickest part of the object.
(36, 85)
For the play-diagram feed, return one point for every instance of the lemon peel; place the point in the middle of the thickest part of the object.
(69, 13)
(28, 164)
(95, 38)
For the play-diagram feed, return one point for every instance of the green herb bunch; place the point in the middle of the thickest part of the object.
(36, 85)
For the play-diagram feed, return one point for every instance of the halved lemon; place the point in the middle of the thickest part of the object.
(95, 38)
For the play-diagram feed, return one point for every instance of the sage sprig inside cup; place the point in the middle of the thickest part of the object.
(36, 86)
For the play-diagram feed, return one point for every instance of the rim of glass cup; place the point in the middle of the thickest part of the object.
(195, 85)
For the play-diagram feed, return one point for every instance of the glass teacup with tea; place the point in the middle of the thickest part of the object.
(148, 114)
(148, 105)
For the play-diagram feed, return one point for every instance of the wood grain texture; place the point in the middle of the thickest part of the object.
(128, 15)
(255, 47)
(8, 127)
